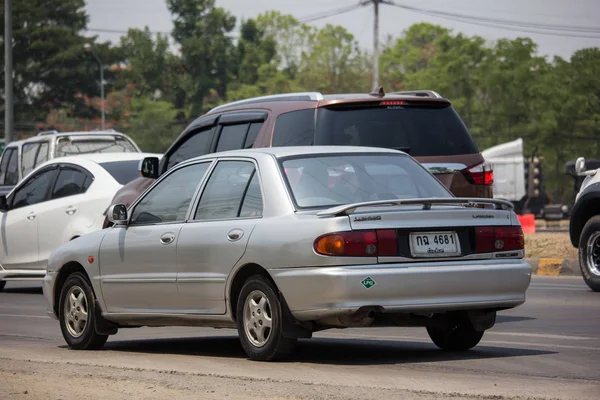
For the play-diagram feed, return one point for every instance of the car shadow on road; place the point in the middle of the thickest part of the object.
(332, 351)
(23, 290)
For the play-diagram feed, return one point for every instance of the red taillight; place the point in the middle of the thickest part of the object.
(480, 174)
(382, 242)
(392, 103)
(491, 239)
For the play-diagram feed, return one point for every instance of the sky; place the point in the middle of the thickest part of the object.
(124, 14)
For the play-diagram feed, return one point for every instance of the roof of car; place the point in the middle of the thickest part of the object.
(103, 157)
(280, 152)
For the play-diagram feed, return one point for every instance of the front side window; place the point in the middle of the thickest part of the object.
(42, 156)
(68, 183)
(330, 180)
(223, 194)
(197, 144)
(34, 190)
(169, 199)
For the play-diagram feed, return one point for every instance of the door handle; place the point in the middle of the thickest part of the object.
(31, 216)
(235, 234)
(71, 210)
(167, 238)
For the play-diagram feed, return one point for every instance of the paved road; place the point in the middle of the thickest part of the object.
(547, 348)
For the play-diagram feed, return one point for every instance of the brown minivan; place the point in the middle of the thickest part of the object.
(421, 123)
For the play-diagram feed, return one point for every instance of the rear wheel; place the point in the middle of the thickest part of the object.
(260, 323)
(457, 338)
(2, 284)
(589, 253)
(76, 314)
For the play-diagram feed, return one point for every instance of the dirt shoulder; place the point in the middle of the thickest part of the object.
(53, 381)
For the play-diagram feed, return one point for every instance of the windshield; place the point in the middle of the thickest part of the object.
(330, 180)
(123, 171)
(119, 145)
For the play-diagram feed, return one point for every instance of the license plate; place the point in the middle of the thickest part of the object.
(434, 244)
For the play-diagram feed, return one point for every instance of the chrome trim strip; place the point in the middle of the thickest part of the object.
(444, 168)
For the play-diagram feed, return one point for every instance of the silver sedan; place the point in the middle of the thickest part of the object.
(282, 242)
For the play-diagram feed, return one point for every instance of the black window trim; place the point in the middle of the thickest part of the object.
(198, 195)
(23, 182)
(75, 167)
(158, 180)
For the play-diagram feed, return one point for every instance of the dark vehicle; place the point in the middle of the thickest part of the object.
(421, 123)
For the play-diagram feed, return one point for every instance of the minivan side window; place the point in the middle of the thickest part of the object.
(296, 128)
(28, 154)
(196, 144)
(232, 137)
(252, 134)
(6, 156)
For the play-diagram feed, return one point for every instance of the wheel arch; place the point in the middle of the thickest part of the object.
(240, 277)
(587, 207)
(63, 274)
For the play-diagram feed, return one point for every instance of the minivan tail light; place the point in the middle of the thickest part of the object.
(480, 174)
(368, 243)
(490, 239)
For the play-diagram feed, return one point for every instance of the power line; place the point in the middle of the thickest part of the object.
(330, 13)
(529, 27)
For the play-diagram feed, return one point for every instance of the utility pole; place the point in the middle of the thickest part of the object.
(376, 4)
(8, 73)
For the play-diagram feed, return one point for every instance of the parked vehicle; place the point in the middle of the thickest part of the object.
(584, 224)
(283, 242)
(2, 144)
(422, 123)
(59, 201)
(23, 156)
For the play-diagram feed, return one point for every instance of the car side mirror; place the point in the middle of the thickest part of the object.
(149, 167)
(580, 166)
(117, 214)
(3, 203)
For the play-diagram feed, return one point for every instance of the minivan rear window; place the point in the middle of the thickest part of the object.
(420, 131)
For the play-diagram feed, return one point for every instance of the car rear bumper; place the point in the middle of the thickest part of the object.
(320, 292)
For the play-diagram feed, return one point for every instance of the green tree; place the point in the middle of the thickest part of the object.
(207, 48)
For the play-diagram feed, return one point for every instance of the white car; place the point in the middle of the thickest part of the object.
(60, 200)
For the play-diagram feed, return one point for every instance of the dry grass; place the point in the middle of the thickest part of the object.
(549, 245)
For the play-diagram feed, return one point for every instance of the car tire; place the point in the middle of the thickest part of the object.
(589, 253)
(76, 301)
(460, 338)
(2, 284)
(258, 306)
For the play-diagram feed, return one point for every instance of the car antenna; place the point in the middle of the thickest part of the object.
(378, 92)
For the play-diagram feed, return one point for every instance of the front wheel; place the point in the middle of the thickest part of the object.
(457, 338)
(589, 253)
(76, 314)
(260, 321)
(2, 284)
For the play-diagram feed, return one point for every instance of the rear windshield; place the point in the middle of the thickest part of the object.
(330, 180)
(420, 131)
(122, 171)
(67, 148)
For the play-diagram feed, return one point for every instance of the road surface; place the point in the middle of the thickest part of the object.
(547, 348)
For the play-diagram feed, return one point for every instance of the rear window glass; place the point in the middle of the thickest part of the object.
(67, 148)
(420, 131)
(122, 171)
(330, 180)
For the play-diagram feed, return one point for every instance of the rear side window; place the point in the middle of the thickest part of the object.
(197, 144)
(252, 134)
(295, 128)
(123, 171)
(28, 154)
(68, 183)
(232, 137)
(420, 131)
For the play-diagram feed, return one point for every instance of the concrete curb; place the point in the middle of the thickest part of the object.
(554, 266)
